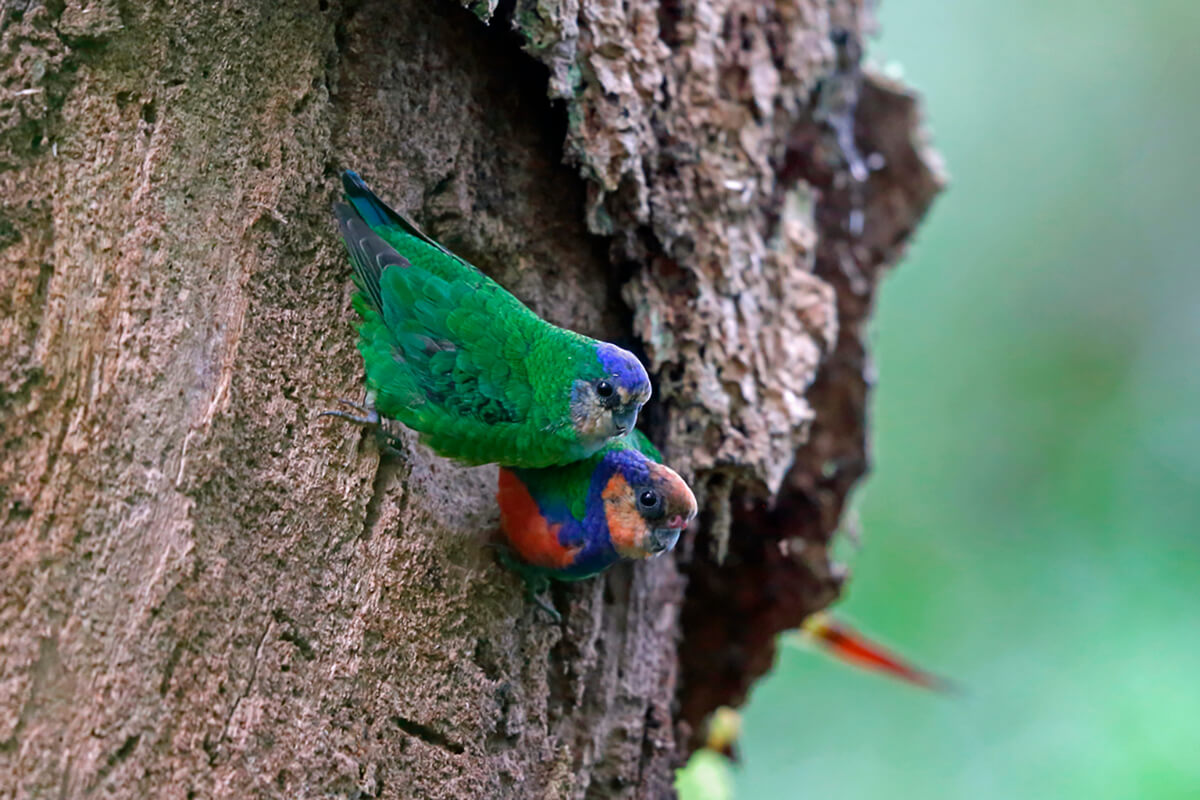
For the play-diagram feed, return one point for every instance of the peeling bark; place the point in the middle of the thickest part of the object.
(205, 591)
(779, 570)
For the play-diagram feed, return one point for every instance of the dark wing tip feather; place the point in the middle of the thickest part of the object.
(353, 184)
(355, 187)
(370, 255)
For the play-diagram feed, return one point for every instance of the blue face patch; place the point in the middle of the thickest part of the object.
(625, 370)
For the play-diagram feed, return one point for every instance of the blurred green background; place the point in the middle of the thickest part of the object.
(1032, 527)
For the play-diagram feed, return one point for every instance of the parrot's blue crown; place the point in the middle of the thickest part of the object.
(627, 372)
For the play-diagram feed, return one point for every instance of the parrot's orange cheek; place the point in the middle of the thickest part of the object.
(626, 528)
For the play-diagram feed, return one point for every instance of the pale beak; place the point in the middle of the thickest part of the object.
(663, 539)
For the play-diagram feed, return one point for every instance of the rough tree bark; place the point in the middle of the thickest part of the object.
(205, 591)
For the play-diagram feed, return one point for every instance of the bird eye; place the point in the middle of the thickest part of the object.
(648, 499)
(604, 389)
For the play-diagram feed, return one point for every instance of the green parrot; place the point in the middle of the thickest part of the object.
(452, 355)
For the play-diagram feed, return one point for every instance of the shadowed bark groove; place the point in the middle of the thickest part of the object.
(208, 591)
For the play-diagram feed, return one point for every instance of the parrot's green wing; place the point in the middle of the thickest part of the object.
(448, 351)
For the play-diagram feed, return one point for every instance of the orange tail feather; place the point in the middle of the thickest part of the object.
(852, 647)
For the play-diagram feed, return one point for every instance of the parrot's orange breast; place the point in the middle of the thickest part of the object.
(533, 536)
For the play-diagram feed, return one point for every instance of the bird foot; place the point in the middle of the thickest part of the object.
(535, 579)
(368, 417)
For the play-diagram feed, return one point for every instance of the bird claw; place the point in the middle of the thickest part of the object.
(544, 606)
(368, 417)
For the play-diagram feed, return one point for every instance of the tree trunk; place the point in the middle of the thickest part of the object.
(207, 591)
